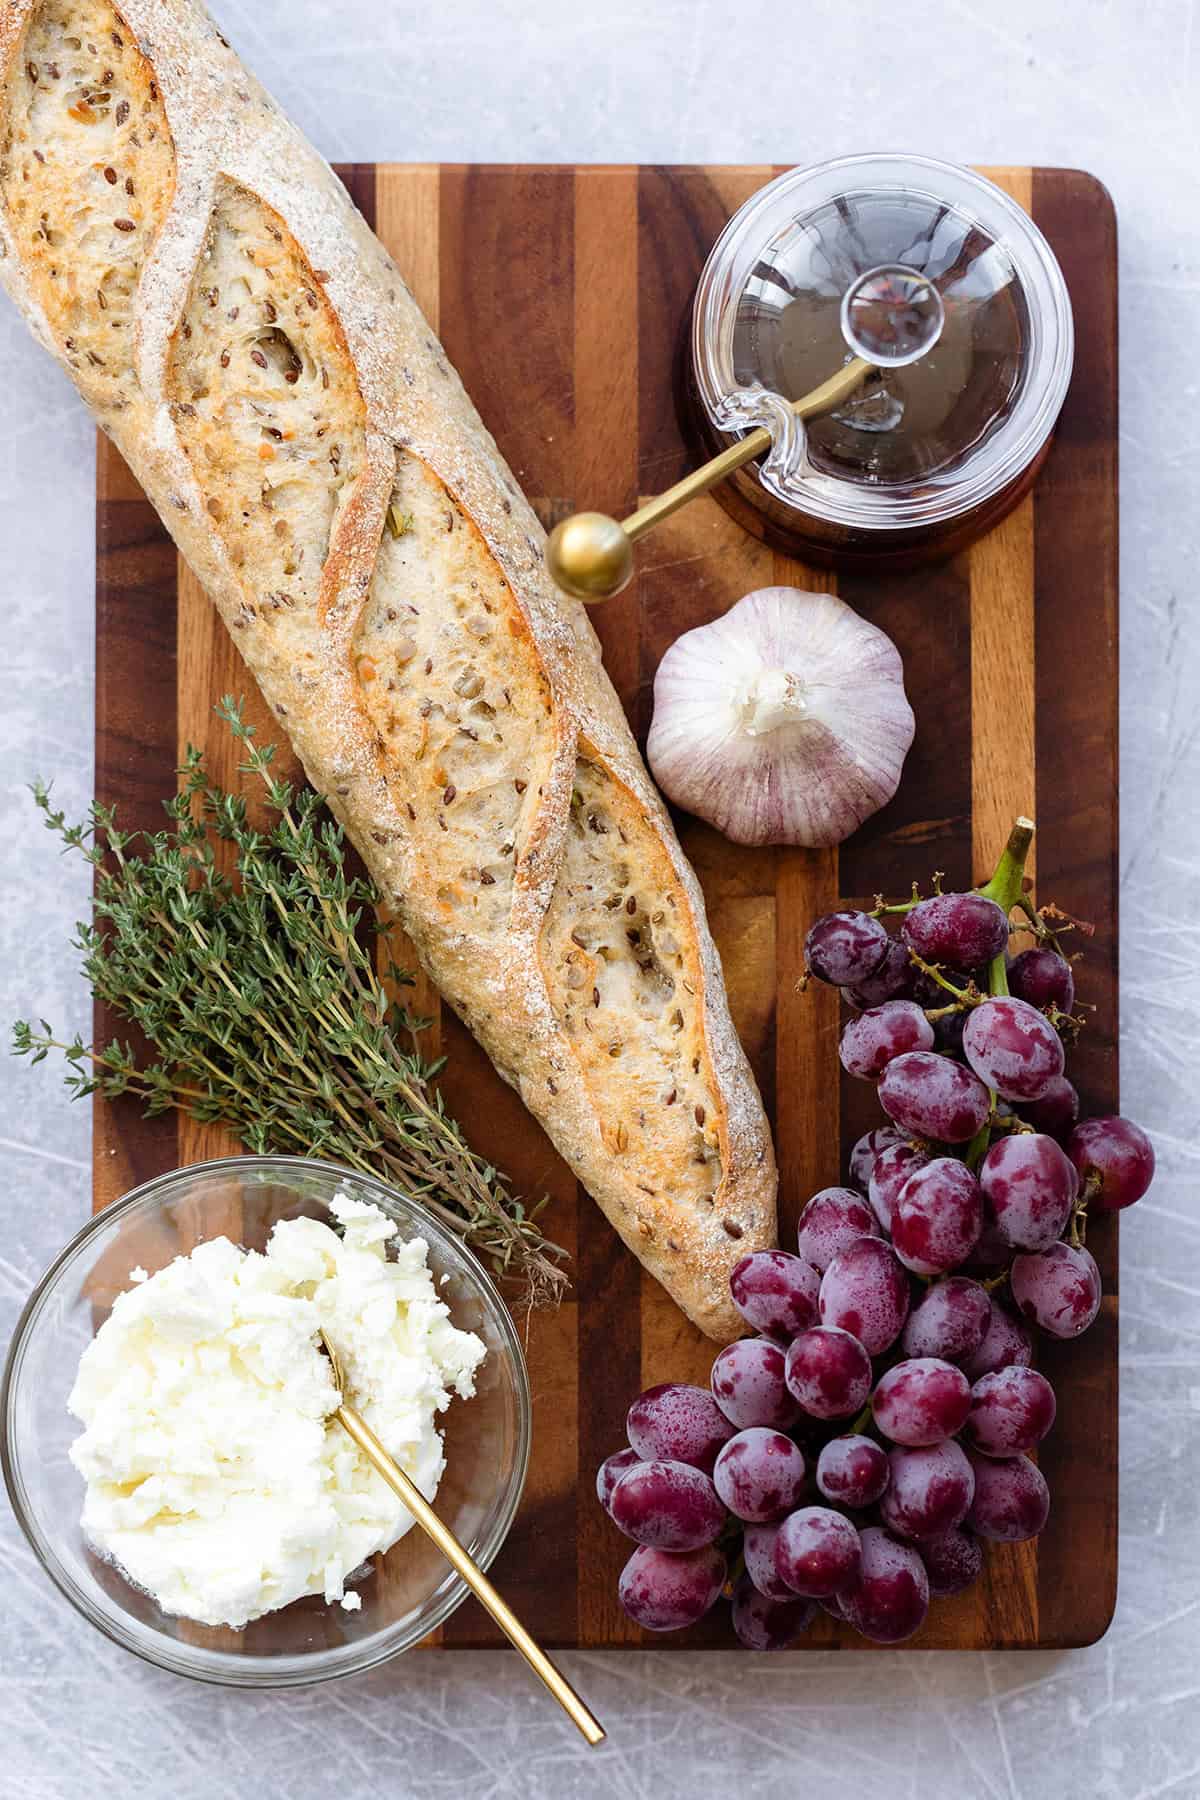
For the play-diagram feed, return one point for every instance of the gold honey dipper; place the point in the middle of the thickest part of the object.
(590, 555)
(355, 1426)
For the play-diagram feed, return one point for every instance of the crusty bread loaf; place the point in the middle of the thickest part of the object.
(256, 356)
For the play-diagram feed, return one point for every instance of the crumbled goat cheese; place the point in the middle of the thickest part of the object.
(215, 1476)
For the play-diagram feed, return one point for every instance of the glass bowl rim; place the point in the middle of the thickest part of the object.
(222, 1667)
(1021, 436)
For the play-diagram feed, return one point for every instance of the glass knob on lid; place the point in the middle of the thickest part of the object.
(938, 279)
(892, 315)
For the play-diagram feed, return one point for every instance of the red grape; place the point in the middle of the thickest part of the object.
(938, 1217)
(748, 1385)
(870, 1041)
(675, 1422)
(1059, 1289)
(765, 1624)
(1030, 1188)
(759, 1474)
(1012, 1501)
(870, 1146)
(1005, 1342)
(1011, 1411)
(890, 1599)
(930, 1490)
(669, 1505)
(829, 1373)
(775, 1292)
(933, 1097)
(853, 1471)
(893, 1167)
(758, 1548)
(817, 1552)
(611, 1471)
(892, 980)
(1116, 1157)
(865, 1291)
(845, 947)
(922, 1401)
(949, 1320)
(963, 930)
(953, 1561)
(1043, 978)
(831, 1220)
(1013, 1047)
(664, 1590)
(1055, 1110)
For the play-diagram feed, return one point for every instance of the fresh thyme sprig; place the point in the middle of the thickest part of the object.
(265, 1010)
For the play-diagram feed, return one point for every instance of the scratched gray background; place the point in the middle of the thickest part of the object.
(1107, 86)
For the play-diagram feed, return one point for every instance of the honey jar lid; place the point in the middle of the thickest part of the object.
(934, 275)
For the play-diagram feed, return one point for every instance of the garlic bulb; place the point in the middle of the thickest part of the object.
(783, 722)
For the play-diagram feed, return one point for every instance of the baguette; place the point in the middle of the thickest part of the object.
(253, 351)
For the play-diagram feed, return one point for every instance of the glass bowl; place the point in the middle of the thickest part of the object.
(410, 1589)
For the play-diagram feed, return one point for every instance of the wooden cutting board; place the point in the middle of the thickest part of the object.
(560, 294)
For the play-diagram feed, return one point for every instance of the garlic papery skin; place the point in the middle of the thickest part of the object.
(783, 722)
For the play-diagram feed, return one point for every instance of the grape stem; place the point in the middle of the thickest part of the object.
(905, 906)
(1036, 924)
(967, 996)
(977, 1149)
(1007, 885)
(1007, 889)
(1079, 1211)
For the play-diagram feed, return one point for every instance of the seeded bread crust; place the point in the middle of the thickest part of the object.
(254, 353)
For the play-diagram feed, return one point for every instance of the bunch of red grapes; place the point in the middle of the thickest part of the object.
(879, 1426)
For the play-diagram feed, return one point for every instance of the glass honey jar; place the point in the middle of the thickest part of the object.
(945, 286)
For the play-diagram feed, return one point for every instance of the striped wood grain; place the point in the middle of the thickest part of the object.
(560, 295)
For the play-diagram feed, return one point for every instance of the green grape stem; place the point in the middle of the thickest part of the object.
(883, 905)
(1077, 1233)
(967, 996)
(1007, 889)
(865, 1419)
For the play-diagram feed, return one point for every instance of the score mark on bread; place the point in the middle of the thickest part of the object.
(451, 681)
(265, 400)
(87, 175)
(625, 979)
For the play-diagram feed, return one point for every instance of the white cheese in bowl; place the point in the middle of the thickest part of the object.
(216, 1478)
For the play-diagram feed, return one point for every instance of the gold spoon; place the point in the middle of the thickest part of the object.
(590, 555)
(356, 1426)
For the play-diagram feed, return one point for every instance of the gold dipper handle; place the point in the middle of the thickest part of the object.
(590, 555)
(476, 1580)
